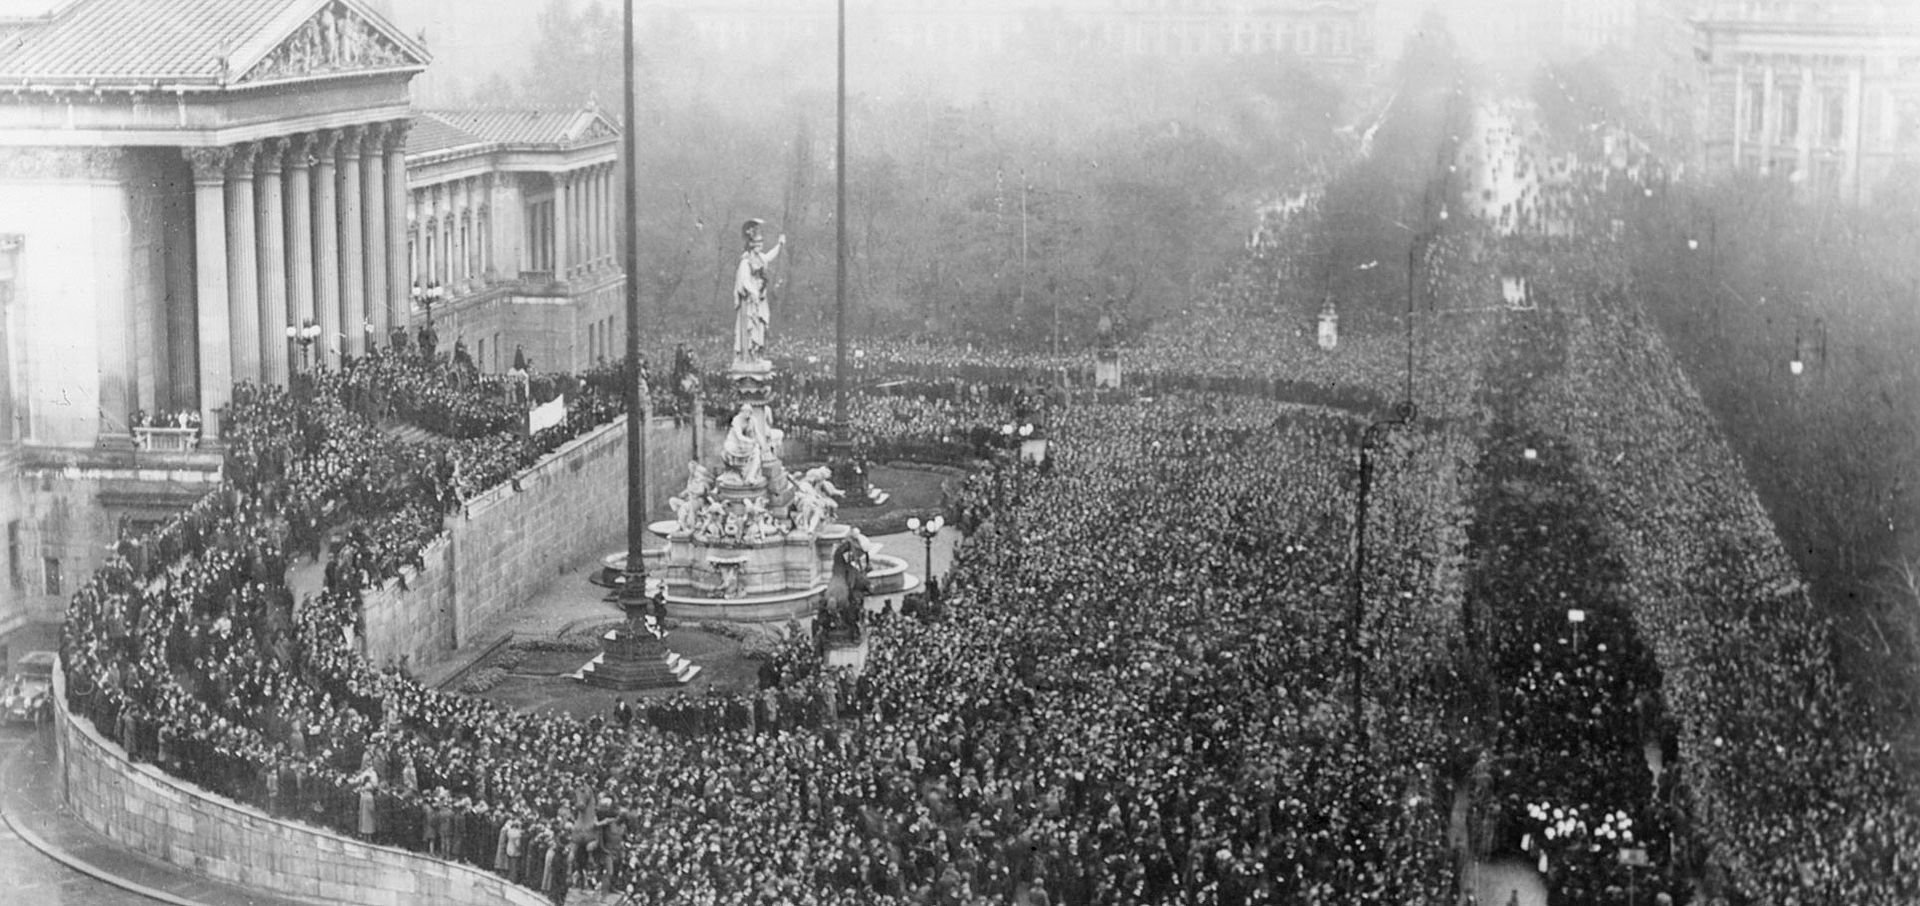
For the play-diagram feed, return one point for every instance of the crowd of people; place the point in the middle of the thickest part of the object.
(1786, 789)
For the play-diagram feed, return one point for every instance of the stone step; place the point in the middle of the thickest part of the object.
(642, 662)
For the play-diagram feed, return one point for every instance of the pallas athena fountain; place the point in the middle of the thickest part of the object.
(751, 541)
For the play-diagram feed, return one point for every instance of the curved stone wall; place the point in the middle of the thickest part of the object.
(144, 809)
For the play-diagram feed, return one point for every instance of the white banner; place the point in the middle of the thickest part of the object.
(547, 414)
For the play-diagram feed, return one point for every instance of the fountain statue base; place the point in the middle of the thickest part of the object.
(636, 657)
(769, 581)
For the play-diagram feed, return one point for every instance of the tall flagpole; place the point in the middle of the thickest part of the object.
(634, 588)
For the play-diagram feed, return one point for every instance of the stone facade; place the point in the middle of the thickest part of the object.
(564, 512)
(140, 807)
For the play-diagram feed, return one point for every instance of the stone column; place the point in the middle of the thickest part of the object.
(560, 182)
(487, 251)
(442, 238)
(463, 230)
(243, 266)
(1856, 105)
(326, 249)
(1805, 129)
(605, 226)
(470, 188)
(616, 210)
(300, 236)
(1769, 123)
(1742, 111)
(583, 219)
(373, 212)
(399, 272)
(613, 216)
(589, 212)
(353, 247)
(576, 237)
(414, 228)
(270, 231)
(214, 377)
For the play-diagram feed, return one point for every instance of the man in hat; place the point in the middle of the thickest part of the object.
(750, 295)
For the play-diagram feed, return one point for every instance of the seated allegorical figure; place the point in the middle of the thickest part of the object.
(742, 449)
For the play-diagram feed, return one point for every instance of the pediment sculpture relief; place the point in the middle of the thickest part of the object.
(336, 39)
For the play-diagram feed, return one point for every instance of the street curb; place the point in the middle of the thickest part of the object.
(69, 860)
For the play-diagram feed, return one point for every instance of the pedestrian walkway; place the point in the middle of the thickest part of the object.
(31, 807)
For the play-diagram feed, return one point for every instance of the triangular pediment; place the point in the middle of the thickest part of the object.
(593, 125)
(324, 38)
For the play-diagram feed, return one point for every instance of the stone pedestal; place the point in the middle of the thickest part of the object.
(637, 660)
(1106, 372)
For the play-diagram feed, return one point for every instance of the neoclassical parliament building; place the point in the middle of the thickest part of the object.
(199, 192)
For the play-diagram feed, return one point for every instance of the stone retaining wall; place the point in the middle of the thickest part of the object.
(144, 809)
(567, 510)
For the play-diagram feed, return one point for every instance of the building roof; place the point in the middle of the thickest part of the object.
(199, 44)
(529, 125)
(482, 129)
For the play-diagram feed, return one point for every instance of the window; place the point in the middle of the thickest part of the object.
(1303, 40)
(1756, 109)
(51, 569)
(480, 354)
(1789, 98)
(1833, 108)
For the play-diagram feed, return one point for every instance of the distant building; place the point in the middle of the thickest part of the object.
(1825, 94)
(1331, 36)
(514, 218)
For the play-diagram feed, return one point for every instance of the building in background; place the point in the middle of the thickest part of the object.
(1823, 94)
(514, 237)
(1331, 37)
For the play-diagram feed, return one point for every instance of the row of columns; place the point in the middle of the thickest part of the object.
(308, 227)
(585, 219)
(452, 231)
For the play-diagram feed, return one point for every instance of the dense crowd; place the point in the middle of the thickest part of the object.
(1790, 791)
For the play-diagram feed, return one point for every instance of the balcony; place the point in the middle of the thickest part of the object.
(166, 440)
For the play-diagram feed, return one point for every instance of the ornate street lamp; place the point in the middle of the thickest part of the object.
(304, 335)
(427, 296)
(926, 530)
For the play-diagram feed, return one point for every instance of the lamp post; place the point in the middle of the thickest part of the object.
(840, 447)
(304, 335)
(633, 588)
(427, 296)
(926, 530)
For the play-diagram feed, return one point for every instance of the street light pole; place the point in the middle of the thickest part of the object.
(633, 590)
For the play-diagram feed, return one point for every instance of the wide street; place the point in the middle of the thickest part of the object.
(32, 877)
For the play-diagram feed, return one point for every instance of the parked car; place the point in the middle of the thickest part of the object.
(30, 688)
